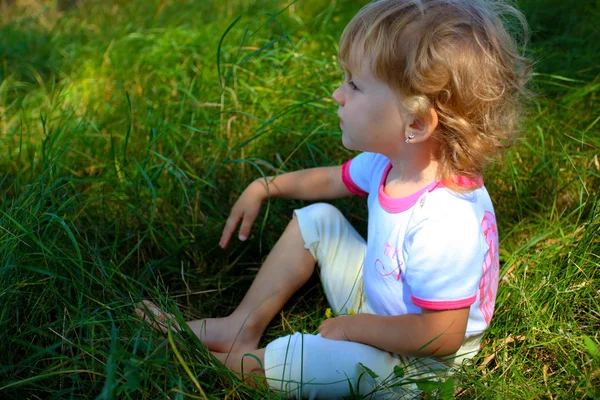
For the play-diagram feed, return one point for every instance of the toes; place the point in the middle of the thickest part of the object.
(158, 319)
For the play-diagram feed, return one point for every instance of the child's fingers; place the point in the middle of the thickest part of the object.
(230, 225)
(246, 225)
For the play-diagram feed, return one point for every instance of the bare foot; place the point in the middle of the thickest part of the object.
(221, 335)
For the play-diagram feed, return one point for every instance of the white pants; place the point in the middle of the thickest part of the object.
(310, 366)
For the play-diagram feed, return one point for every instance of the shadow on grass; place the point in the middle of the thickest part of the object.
(26, 54)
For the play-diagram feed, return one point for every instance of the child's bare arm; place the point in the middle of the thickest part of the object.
(433, 333)
(324, 183)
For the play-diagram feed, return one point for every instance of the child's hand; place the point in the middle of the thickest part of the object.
(334, 328)
(246, 208)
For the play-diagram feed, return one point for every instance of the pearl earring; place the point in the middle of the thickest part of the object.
(411, 136)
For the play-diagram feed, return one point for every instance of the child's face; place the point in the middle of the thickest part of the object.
(372, 117)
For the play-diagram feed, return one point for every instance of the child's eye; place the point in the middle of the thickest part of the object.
(352, 85)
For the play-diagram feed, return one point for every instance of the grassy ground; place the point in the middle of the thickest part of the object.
(127, 130)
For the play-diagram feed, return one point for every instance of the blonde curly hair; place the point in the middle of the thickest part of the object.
(456, 56)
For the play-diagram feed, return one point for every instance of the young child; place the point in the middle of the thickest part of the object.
(431, 95)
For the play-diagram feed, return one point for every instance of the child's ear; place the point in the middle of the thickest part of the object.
(419, 129)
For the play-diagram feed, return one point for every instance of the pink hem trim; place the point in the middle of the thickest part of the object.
(443, 304)
(398, 205)
(347, 179)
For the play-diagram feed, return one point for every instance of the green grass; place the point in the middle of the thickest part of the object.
(127, 130)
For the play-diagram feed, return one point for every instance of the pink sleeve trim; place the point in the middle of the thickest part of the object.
(443, 304)
(347, 179)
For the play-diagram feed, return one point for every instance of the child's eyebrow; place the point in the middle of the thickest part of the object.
(359, 78)
(348, 75)
(345, 68)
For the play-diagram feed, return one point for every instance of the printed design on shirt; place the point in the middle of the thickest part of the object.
(383, 268)
(488, 285)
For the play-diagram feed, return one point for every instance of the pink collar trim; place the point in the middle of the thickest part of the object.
(398, 205)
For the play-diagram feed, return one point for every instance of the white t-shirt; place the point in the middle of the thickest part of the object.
(435, 249)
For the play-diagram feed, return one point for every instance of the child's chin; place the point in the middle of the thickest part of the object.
(346, 142)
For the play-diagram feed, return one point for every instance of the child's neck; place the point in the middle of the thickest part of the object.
(410, 173)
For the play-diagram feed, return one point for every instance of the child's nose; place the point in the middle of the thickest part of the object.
(338, 96)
